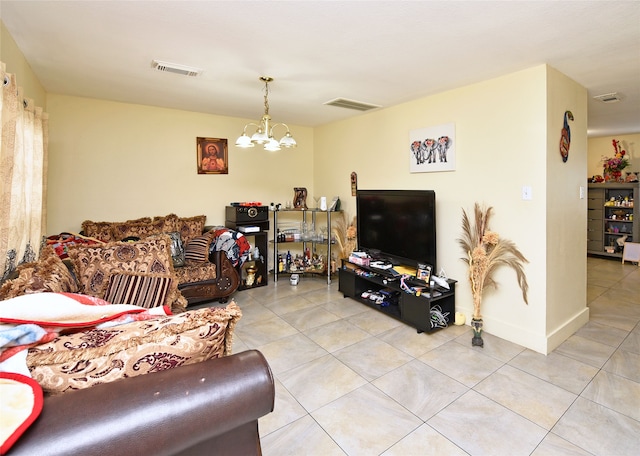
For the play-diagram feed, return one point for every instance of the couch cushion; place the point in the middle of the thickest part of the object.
(143, 290)
(170, 222)
(190, 227)
(97, 230)
(48, 274)
(193, 272)
(94, 264)
(141, 230)
(85, 359)
(103, 230)
(197, 250)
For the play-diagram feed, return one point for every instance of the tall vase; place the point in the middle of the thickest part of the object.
(476, 325)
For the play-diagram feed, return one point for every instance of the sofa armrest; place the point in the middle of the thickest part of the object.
(163, 413)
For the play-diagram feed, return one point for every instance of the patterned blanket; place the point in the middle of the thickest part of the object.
(36, 318)
(61, 242)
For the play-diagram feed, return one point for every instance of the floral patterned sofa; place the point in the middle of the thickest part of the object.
(204, 258)
(193, 262)
(138, 274)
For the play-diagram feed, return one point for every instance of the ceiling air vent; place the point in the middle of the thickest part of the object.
(608, 97)
(175, 68)
(351, 104)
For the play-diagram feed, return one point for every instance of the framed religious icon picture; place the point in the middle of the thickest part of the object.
(212, 156)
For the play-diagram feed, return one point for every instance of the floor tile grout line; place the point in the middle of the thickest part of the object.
(457, 340)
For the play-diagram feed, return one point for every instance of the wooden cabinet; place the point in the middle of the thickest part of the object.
(613, 217)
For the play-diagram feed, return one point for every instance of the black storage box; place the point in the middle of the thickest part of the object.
(247, 213)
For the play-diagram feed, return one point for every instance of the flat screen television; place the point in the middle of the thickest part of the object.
(398, 226)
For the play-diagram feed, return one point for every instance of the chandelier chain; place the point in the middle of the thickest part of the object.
(266, 98)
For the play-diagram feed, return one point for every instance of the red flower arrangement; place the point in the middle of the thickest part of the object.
(613, 166)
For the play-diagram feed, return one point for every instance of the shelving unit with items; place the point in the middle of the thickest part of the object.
(253, 223)
(309, 237)
(613, 217)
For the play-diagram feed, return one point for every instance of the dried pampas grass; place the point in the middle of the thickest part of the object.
(345, 234)
(485, 251)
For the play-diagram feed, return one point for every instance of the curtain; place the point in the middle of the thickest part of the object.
(23, 167)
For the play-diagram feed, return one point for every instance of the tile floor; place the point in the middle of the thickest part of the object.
(352, 381)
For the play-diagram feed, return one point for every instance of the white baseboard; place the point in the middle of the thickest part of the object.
(563, 332)
(538, 342)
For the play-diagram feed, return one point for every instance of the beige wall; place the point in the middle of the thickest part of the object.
(566, 224)
(16, 64)
(602, 146)
(115, 161)
(507, 132)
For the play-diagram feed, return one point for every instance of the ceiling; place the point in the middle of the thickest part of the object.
(377, 52)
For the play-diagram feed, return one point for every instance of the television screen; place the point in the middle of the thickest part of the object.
(398, 225)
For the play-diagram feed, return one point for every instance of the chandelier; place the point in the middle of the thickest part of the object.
(264, 132)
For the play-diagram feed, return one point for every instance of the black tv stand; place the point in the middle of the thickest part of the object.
(411, 309)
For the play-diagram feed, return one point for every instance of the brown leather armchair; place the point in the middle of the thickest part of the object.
(201, 409)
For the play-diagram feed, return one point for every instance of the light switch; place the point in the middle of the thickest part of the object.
(526, 193)
(581, 192)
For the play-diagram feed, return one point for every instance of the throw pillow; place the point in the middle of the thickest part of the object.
(120, 231)
(102, 230)
(94, 265)
(143, 290)
(73, 361)
(170, 222)
(97, 230)
(190, 227)
(197, 249)
(48, 274)
(177, 249)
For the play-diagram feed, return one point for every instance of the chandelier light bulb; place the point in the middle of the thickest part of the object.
(244, 141)
(288, 141)
(272, 145)
(259, 137)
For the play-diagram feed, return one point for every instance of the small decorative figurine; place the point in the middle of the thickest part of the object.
(300, 198)
(251, 275)
(354, 183)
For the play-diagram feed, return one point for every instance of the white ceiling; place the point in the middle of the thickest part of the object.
(378, 52)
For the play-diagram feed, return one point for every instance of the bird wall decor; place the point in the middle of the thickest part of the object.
(565, 136)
